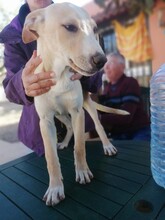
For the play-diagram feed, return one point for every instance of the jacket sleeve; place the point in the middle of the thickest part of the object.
(15, 60)
(131, 100)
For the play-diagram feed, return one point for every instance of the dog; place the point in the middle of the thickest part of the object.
(66, 39)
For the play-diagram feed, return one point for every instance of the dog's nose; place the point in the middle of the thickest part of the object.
(98, 60)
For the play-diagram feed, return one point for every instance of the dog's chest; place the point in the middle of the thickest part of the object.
(66, 102)
(63, 98)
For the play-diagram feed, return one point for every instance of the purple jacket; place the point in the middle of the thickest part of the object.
(16, 54)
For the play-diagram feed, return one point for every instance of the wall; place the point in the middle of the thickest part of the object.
(157, 33)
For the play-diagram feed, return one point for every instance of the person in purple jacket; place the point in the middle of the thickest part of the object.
(123, 92)
(21, 85)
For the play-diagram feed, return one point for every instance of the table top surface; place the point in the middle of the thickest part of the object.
(122, 188)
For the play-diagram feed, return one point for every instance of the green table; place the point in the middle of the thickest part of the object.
(122, 188)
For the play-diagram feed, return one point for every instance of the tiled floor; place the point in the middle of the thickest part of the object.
(11, 151)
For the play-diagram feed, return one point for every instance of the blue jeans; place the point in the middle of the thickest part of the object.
(144, 134)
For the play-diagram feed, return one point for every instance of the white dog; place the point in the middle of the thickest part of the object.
(66, 38)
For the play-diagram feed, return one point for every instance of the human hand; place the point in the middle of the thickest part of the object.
(76, 76)
(36, 84)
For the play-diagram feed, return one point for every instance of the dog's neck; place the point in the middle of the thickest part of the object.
(52, 61)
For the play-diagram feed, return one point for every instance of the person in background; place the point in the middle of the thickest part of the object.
(21, 85)
(123, 92)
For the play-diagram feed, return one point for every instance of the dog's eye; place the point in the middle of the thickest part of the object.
(71, 27)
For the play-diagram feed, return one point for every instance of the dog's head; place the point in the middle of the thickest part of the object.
(66, 32)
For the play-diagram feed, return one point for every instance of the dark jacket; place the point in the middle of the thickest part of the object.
(16, 55)
(125, 95)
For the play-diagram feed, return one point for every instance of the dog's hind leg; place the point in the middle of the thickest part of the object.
(109, 149)
(66, 120)
(55, 191)
(83, 173)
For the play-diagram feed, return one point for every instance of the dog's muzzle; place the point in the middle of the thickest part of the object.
(75, 68)
(98, 60)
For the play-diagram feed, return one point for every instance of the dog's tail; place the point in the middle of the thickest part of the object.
(106, 109)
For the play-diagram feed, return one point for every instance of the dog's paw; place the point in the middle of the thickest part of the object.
(84, 176)
(62, 145)
(110, 150)
(54, 195)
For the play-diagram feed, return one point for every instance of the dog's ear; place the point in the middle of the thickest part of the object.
(31, 25)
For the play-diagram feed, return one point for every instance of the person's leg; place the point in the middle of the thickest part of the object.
(143, 134)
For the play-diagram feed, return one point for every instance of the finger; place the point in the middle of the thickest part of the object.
(33, 93)
(39, 88)
(41, 77)
(32, 64)
(34, 54)
(41, 85)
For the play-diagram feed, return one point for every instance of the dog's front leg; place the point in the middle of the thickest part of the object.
(109, 149)
(83, 173)
(55, 191)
